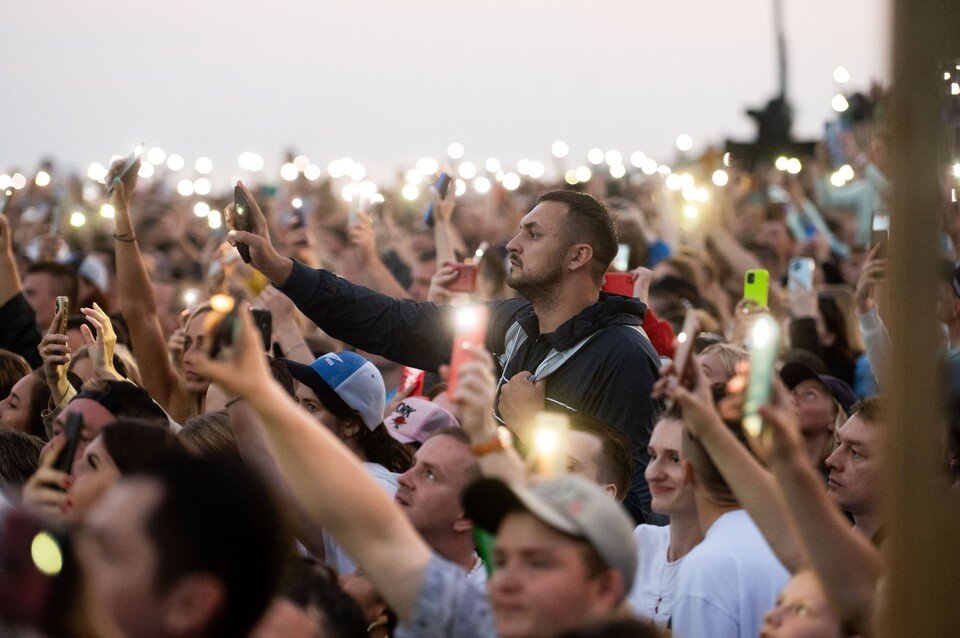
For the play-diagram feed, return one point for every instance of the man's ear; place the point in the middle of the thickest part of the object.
(462, 524)
(579, 256)
(611, 489)
(192, 604)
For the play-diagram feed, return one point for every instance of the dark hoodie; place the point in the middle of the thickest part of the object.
(610, 377)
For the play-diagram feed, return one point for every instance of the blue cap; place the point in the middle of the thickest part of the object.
(345, 383)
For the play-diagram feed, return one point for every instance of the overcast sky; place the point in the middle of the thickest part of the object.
(389, 81)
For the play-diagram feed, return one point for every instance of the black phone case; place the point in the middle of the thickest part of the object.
(264, 322)
(241, 220)
(71, 433)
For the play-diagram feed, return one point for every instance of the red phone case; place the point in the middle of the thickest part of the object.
(471, 336)
(466, 280)
(619, 283)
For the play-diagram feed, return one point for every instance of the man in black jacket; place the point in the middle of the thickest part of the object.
(565, 347)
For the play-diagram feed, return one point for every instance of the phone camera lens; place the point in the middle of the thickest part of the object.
(750, 278)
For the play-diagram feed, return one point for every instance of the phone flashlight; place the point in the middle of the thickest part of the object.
(470, 332)
(764, 340)
(550, 443)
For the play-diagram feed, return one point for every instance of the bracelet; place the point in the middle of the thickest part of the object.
(128, 237)
(493, 445)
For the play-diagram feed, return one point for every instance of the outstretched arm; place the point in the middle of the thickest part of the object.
(373, 272)
(139, 305)
(414, 334)
(326, 478)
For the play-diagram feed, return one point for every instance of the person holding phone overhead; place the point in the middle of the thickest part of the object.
(564, 347)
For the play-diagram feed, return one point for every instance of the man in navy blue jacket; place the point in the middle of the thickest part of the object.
(564, 347)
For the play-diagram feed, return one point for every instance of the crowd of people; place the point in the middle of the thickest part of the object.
(532, 412)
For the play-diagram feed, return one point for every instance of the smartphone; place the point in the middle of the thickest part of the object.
(263, 320)
(71, 433)
(686, 341)
(62, 303)
(294, 220)
(470, 331)
(466, 280)
(621, 263)
(5, 202)
(763, 345)
(833, 133)
(800, 273)
(442, 185)
(551, 440)
(128, 163)
(880, 233)
(756, 286)
(619, 283)
(241, 220)
(223, 333)
(56, 215)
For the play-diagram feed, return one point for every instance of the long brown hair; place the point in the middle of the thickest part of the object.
(379, 447)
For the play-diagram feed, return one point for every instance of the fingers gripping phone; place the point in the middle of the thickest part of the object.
(128, 164)
(223, 333)
(241, 219)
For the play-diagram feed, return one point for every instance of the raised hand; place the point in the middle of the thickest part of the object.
(439, 292)
(102, 346)
(872, 273)
(364, 237)
(695, 398)
(476, 389)
(55, 354)
(642, 277)
(240, 370)
(45, 493)
(124, 187)
(443, 206)
(263, 256)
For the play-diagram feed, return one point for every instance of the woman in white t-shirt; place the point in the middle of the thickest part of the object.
(660, 550)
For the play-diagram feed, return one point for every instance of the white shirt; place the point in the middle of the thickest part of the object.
(727, 582)
(653, 587)
(335, 556)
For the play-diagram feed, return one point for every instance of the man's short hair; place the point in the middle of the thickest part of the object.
(64, 279)
(217, 517)
(587, 221)
(615, 462)
(123, 399)
(472, 471)
(870, 408)
(314, 589)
